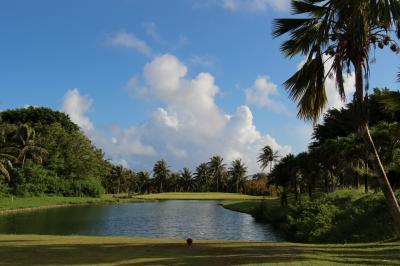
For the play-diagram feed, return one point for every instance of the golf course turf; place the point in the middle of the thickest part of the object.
(80, 250)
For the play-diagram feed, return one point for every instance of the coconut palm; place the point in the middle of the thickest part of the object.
(6, 164)
(186, 180)
(217, 169)
(202, 175)
(267, 157)
(342, 32)
(26, 137)
(161, 172)
(237, 171)
(143, 181)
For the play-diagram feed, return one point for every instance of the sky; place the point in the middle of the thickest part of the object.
(179, 80)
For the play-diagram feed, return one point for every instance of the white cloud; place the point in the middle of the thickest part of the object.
(188, 129)
(260, 94)
(123, 142)
(129, 40)
(77, 106)
(191, 127)
(255, 5)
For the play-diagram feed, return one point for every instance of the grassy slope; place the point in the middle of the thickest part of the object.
(198, 196)
(78, 250)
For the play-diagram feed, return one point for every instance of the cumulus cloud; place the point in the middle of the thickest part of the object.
(77, 106)
(255, 5)
(189, 128)
(129, 40)
(261, 93)
(116, 142)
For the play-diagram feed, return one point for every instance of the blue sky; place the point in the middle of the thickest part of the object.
(100, 61)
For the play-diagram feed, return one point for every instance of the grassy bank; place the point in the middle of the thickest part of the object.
(339, 217)
(13, 204)
(198, 196)
(77, 250)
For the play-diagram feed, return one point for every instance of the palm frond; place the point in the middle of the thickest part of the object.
(307, 88)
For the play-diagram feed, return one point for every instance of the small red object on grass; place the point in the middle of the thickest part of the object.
(189, 242)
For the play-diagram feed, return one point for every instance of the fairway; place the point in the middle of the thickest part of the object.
(78, 250)
(198, 196)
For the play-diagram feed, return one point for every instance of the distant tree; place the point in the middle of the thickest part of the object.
(186, 180)
(161, 172)
(283, 175)
(267, 157)
(143, 178)
(202, 176)
(237, 172)
(217, 169)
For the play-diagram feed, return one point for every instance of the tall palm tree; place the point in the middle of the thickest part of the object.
(161, 172)
(143, 181)
(217, 169)
(267, 157)
(186, 180)
(237, 171)
(344, 32)
(202, 175)
(26, 136)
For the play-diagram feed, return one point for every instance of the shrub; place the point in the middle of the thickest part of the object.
(312, 220)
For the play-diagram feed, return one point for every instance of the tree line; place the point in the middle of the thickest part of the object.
(338, 157)
(211, 176)
(43, 152)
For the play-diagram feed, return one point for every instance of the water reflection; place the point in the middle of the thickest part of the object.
(164, 219)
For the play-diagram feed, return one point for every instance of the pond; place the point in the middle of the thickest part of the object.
(178, 219)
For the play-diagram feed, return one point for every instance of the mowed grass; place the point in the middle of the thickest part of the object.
(13, 203)
(78, 250)
(198, 196)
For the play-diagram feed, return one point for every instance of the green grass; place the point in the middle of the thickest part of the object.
(13, 203)
(16, 203)
(241, 206)
(198, 196)
(79, 250)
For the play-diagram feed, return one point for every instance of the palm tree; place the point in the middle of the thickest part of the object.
(26, 136)
(186, 180)
(237, 171)
(143, 181)
(161, 172)
(217, 169)
(342, 31)
(202, 175)
(267, 157)
(5, 164)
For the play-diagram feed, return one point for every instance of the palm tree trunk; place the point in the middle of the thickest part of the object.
(366, 179)
(383, 181)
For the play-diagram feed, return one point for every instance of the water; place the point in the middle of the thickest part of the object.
(176, 219)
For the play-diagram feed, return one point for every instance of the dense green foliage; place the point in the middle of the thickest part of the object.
(49, 155)
(338, 158)
(339, 217)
